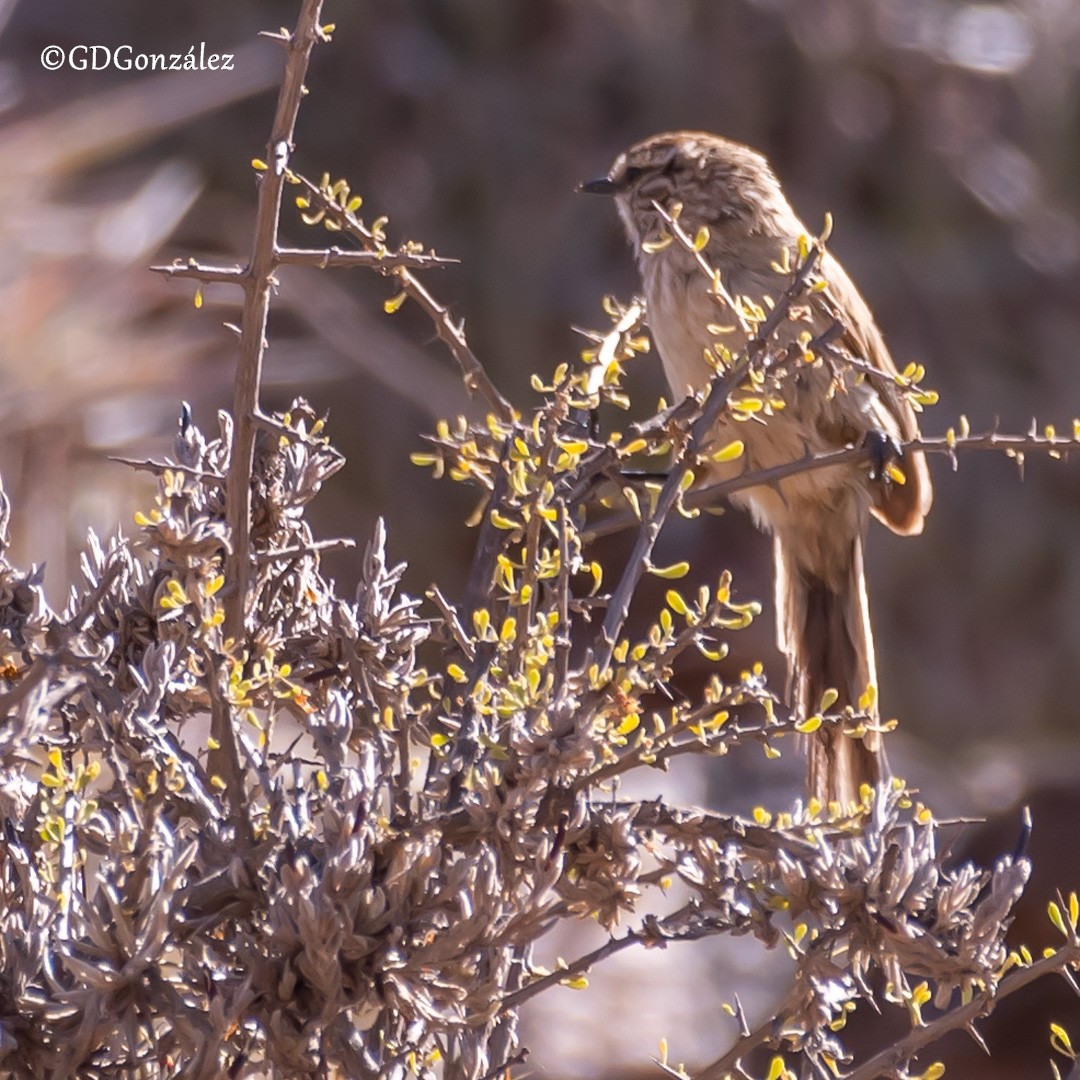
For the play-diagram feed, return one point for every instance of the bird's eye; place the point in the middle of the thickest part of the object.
(633, 173)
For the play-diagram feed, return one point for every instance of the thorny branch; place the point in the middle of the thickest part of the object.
(701, 429)
(710, 493)
(652, 932)
(963, 1016)
(322, 259)
(449, 332)
(258, 281)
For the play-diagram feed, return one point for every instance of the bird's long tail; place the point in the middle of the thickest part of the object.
(823, 628)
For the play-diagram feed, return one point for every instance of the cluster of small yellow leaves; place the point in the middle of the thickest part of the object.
(172, 484)
(1020, 957)
(517, 680)
(174, 599)
(910, 380)
(550, 450)
(640, 666)
(191, 591)
(338, 193)
(59, 784)
(915, 999)
(752, 315)
(603, 363)
(333, 205)
(467, 455)
(416, 1062)
(170, 778)
(254, 686)
(964, 426)
(1065, 921)
(299, 424)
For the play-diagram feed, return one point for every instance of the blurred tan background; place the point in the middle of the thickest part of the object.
(943, 136)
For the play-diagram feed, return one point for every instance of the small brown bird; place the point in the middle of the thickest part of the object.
(819, 517)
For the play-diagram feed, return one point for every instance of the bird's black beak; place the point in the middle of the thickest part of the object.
(602, 185)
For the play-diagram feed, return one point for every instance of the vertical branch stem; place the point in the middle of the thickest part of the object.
(224, 758)
(258, 281)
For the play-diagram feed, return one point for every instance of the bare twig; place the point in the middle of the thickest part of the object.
(370, 260)
(452, 335)
(191, 268)
(504, 1069)
(994, 440)
(318, 257)
(719, 289)
(342, 543)
(159, 467)
(453, 622)
(652, 932)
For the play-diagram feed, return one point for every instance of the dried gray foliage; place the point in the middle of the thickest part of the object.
(399, 799)
(373, 905)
